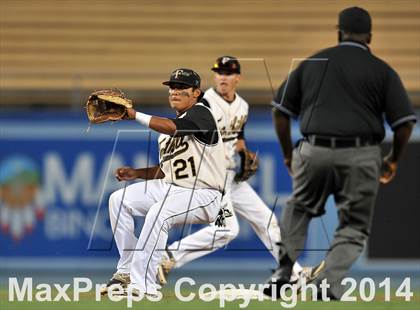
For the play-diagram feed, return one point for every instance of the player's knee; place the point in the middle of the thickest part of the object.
(231, 231)
(114, 201)
(159, 223)
(166, 225)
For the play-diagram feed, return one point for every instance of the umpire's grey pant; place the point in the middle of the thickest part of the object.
(352, 176)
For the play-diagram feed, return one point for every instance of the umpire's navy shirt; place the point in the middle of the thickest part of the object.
(345, 91)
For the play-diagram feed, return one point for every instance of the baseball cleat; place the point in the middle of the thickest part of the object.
(280, 277)
(309, 274)
(161, 278)
(122, 279)
(134, 292)
(166, 265)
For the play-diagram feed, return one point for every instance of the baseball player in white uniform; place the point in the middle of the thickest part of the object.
(231, 113)
(185, 188)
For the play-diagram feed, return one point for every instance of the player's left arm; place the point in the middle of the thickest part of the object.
(160, 124)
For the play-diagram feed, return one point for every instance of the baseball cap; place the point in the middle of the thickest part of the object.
(227, 64)
(184, 76)
(355, 20)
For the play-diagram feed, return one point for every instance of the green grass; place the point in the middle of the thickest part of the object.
(169, 302)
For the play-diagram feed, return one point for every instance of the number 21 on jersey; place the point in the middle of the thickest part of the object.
(184, 168)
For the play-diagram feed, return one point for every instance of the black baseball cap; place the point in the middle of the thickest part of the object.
(355, 20)
(184, 76)
(228, 64)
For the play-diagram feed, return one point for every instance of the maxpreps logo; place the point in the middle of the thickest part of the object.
(20, 198)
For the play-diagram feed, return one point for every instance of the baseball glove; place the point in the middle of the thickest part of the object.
(249, 165)
(107, 105)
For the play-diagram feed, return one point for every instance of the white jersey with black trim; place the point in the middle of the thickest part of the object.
(231, 118)
(188, 162)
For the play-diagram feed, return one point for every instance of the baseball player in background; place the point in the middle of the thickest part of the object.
(185, 188)
(231, 113)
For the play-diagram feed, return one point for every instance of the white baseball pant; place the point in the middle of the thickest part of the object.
(163, 205)
(240, 198)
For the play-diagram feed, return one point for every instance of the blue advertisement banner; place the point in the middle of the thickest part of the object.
(56, 176)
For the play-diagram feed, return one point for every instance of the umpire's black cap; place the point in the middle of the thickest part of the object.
(355, 20)
(227, 64)
(184, 76)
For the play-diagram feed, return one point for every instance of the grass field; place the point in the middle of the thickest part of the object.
(169, 302)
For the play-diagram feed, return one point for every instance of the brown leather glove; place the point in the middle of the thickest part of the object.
(107, 105)
(249, 165)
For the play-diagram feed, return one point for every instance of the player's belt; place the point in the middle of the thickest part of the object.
(337, 142)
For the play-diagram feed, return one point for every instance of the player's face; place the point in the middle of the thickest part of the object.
(226, 83)
(182, 97)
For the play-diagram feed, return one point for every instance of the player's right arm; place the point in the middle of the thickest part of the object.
(128, 173)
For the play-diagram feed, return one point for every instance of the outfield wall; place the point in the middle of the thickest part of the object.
(65, 220)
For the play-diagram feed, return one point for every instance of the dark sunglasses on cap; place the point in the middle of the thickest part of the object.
(178, 86)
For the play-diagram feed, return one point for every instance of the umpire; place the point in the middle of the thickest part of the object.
(341, 96)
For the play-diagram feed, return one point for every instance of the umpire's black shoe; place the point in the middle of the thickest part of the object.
(280, 277)
(329, 295)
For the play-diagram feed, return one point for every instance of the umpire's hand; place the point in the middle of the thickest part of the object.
(389, 170)
(288, 163)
